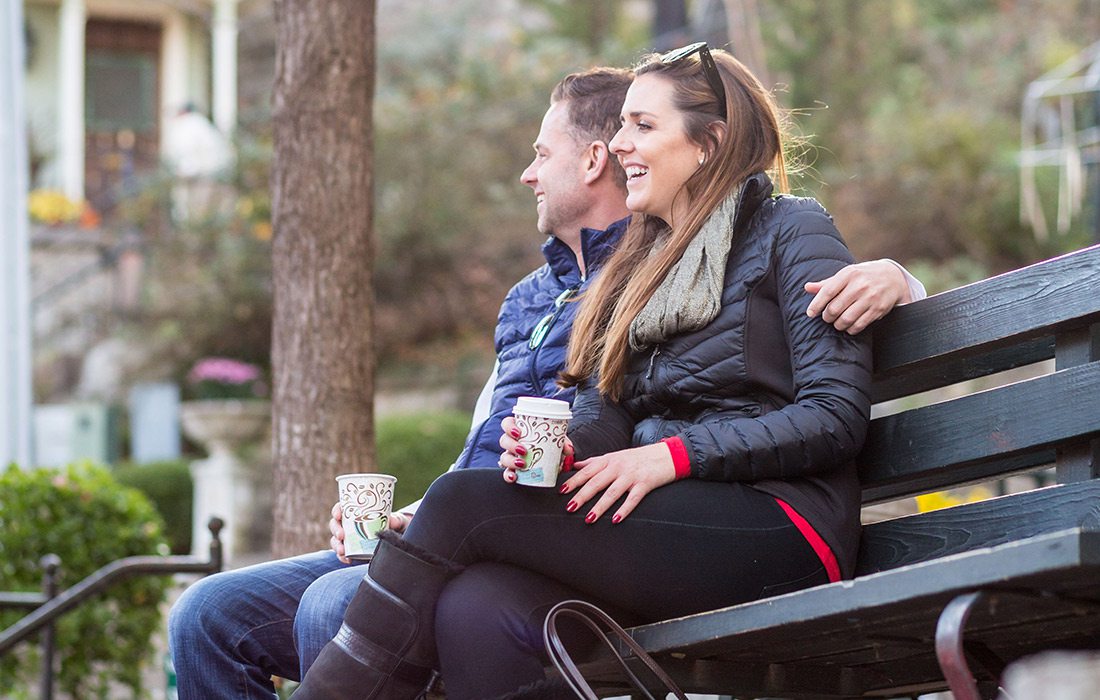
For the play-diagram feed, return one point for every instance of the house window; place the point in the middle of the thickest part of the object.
(121, 91)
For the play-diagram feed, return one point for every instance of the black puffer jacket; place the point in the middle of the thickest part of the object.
(763, 394)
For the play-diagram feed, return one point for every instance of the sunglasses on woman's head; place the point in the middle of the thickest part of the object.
(710, 69)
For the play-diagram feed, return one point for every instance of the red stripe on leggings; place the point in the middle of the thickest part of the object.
(821, 549)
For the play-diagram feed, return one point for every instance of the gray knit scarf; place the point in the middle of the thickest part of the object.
(690, 296)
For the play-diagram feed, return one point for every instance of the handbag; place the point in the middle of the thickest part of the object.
(606, 629)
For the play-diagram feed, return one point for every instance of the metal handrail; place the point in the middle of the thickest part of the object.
(50, 607)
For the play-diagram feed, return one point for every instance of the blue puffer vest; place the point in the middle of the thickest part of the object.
(523, 371)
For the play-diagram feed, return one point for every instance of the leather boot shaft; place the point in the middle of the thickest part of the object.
(385, 650)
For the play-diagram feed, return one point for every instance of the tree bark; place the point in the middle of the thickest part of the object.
(670, 24)
(746, 41)
(322, 357)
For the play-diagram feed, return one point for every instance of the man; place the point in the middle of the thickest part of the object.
(229, 633)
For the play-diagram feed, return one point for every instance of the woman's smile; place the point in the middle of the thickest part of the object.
(653, 148)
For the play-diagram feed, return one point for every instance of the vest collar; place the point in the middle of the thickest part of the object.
(596, 245)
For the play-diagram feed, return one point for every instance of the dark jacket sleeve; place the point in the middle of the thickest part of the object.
(599, 425)
(824, 427)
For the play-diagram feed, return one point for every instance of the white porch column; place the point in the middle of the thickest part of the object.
(174, 77)
(70, 113)
(15, 342)
(224, 66)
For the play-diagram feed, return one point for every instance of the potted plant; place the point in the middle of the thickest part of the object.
(229, 406)
(228, 410)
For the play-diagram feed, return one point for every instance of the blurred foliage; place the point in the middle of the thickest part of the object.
(597, 25)
(914, 106)
(167, 484)
(88, 519)
(417, 448)
(911, 109)
(454, 121)
(207, 289)
(456, 112)
(947, 274)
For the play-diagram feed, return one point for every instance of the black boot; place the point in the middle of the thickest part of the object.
(385, 650)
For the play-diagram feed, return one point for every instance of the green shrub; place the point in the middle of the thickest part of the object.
(168, 485)
(84, 516)
(418, 448)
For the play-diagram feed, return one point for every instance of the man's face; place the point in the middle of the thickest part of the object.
(557, 175)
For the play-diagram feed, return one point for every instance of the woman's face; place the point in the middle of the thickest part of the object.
(654, 149)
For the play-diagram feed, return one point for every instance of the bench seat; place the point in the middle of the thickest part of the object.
(873, 636)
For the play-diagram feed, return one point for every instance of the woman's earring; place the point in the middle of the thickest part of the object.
(702, 159)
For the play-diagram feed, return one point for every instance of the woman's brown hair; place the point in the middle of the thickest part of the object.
(747, 142)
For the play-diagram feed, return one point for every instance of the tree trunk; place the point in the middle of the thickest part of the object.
(746, 41)
(322, 358)
(670, 24)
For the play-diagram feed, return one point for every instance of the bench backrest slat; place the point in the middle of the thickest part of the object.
(925, 448)
(916, 538)
(995, 324)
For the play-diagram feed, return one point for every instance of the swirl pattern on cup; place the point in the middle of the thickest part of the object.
(364, 501)
(538, 434)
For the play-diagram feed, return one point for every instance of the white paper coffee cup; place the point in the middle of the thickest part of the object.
(542, 424)
(365, 504)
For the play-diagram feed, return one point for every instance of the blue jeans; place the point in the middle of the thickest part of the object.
(231, 632)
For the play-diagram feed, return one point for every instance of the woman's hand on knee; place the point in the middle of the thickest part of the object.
(633, 473)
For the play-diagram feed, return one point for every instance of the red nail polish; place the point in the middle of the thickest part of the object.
(515, 433)
(572, 506)
(520, 464)
(521, 450)
(590, 518)
(564, 488)
(616, 520)
(568, 465)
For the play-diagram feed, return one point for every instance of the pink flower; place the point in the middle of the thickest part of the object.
(223, 370)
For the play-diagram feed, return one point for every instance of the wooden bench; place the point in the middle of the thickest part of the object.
(1018, 573)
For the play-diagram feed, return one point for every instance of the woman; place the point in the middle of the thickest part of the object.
(715, 421)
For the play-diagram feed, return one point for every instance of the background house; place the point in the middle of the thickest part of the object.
(106, 82)
(105, 78)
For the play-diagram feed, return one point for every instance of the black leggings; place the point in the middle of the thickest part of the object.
(688, 546)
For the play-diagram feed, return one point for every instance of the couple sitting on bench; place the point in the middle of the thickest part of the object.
(720, 391)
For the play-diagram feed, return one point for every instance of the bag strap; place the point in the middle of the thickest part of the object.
(601, 624)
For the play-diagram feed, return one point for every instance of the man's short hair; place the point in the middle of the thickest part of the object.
(595, 100)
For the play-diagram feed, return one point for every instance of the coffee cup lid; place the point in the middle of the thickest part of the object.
(365, 476)
(544, 408)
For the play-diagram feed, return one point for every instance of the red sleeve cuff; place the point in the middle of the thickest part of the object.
(681, 462)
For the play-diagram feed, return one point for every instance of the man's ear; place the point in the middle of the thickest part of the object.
(597, 159)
